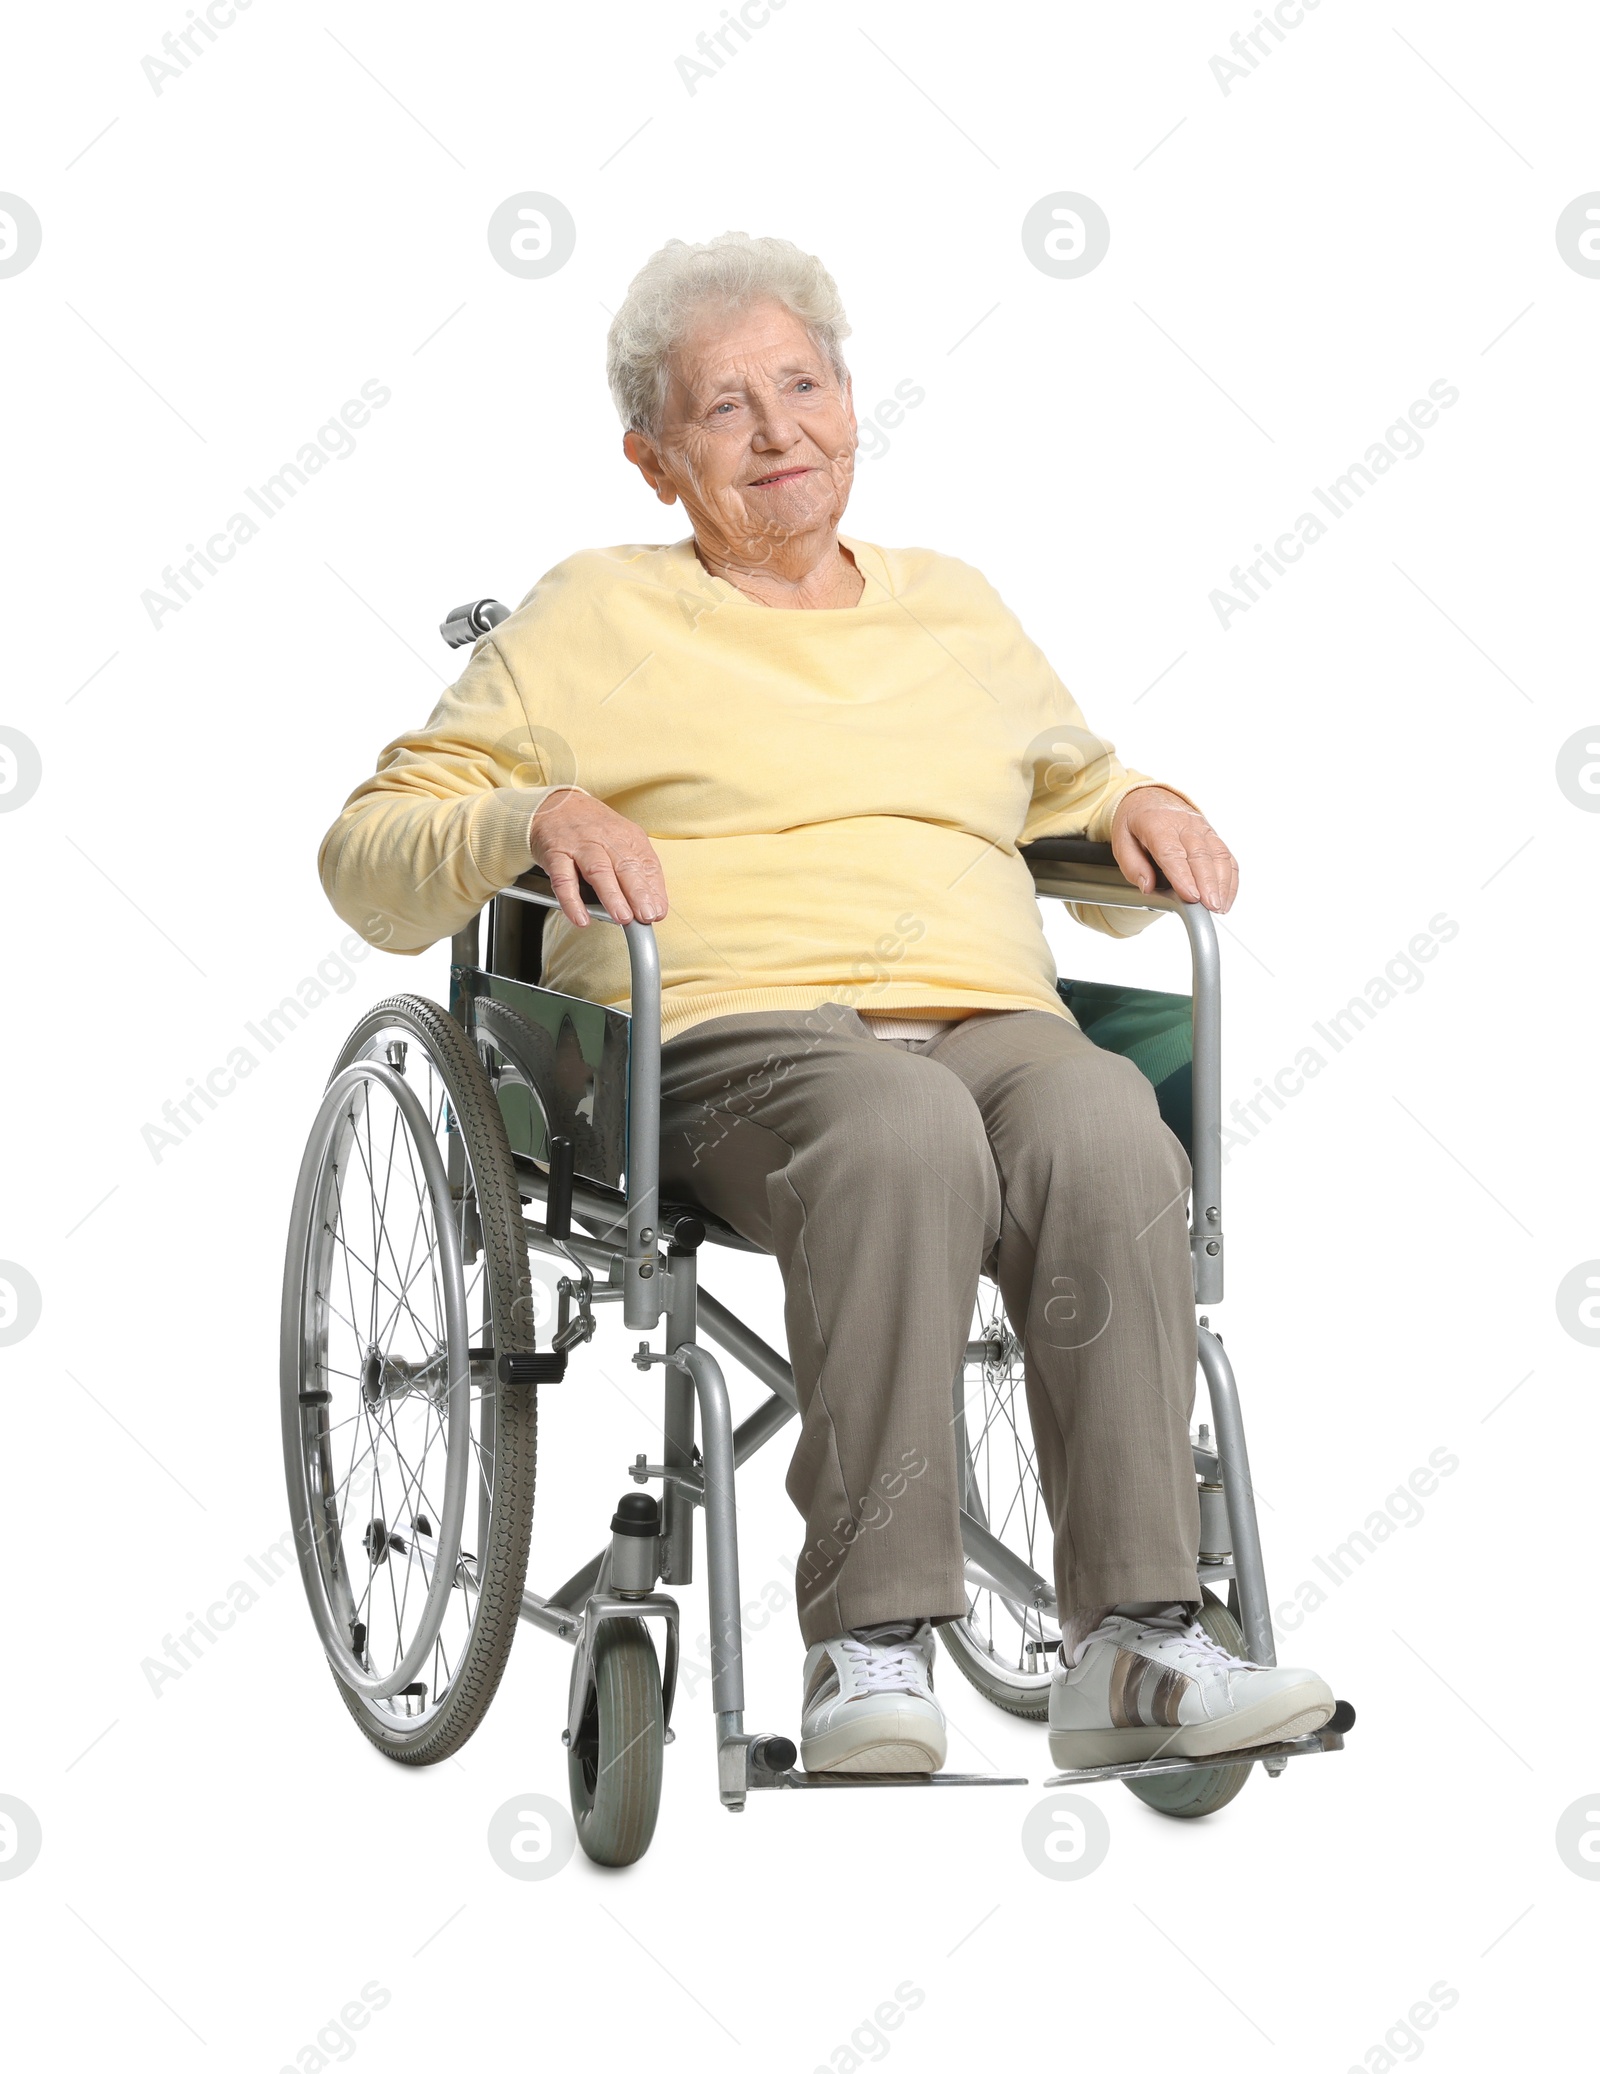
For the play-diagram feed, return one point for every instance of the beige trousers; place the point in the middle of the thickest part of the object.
(885, 1175)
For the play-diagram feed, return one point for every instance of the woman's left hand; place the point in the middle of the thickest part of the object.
(1154, 830)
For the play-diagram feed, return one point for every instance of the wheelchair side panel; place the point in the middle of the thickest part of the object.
(560, 1067)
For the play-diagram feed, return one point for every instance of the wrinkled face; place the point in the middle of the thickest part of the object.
(758, 435)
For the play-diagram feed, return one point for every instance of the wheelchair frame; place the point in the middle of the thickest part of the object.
(654, 1272)
(642, 1253)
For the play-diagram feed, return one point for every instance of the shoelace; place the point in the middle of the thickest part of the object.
(1174, 1623)
(889, 1665)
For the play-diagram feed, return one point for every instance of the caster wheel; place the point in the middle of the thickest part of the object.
(614, 1765)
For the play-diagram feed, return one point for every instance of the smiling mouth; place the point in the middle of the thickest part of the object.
(763, 482)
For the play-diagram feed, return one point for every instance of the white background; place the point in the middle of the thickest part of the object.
(302, 210)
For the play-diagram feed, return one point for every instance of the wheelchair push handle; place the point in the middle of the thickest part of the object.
(470, 622)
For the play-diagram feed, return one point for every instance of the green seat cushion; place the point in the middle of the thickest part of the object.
(1155, 1030)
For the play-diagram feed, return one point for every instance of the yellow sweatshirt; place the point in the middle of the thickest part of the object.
(836, 796)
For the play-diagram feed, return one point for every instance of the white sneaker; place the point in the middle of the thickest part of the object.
(869, 1704)
(1159, 1686)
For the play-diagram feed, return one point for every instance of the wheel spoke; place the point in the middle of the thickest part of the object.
(1003, 1478)
(386, 1267)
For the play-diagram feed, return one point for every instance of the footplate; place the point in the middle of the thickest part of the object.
(790, 1779)
(1275, 1754)
(766, 1764)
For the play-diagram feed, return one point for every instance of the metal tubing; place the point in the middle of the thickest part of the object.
(1000, 1566)
(578, 1587)
(747, 1347)
(759, 1427)
(1254, 1615)
(464, 951)
(556, 1620)
(591, 1252)
(1007, 1571)
(1205, 1225)
(722, 1539)
(641, 1290)
(677, 1429)
(539, 895)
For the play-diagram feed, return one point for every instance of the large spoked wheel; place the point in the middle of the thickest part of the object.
(1005, 1648)
(1187, 1795)
(410, 1466)
(614, 1764)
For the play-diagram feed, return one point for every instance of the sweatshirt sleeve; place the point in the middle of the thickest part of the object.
(444, 821)
(1079, 782)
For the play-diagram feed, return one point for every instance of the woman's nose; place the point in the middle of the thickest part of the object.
(774, 425)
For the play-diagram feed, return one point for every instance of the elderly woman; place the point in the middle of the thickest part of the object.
(809, 761)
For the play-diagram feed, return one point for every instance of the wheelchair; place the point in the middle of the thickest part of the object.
(450, 1149)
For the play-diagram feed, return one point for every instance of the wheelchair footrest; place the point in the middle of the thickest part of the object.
(1329, 1738)
(789, 1780)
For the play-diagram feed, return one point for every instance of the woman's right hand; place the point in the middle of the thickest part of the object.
(576, 835)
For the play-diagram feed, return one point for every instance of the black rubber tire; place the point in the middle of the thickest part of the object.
(1028, 1703)
(614, 1768)
(1188, 1795)
(499, 1206)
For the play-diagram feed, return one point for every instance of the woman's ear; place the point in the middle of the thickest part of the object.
(648, 462)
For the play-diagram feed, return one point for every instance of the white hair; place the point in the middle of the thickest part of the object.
(733, 270)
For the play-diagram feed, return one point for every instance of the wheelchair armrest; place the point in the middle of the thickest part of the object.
(537, 880)
(1067, 849)
(1069, 867)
